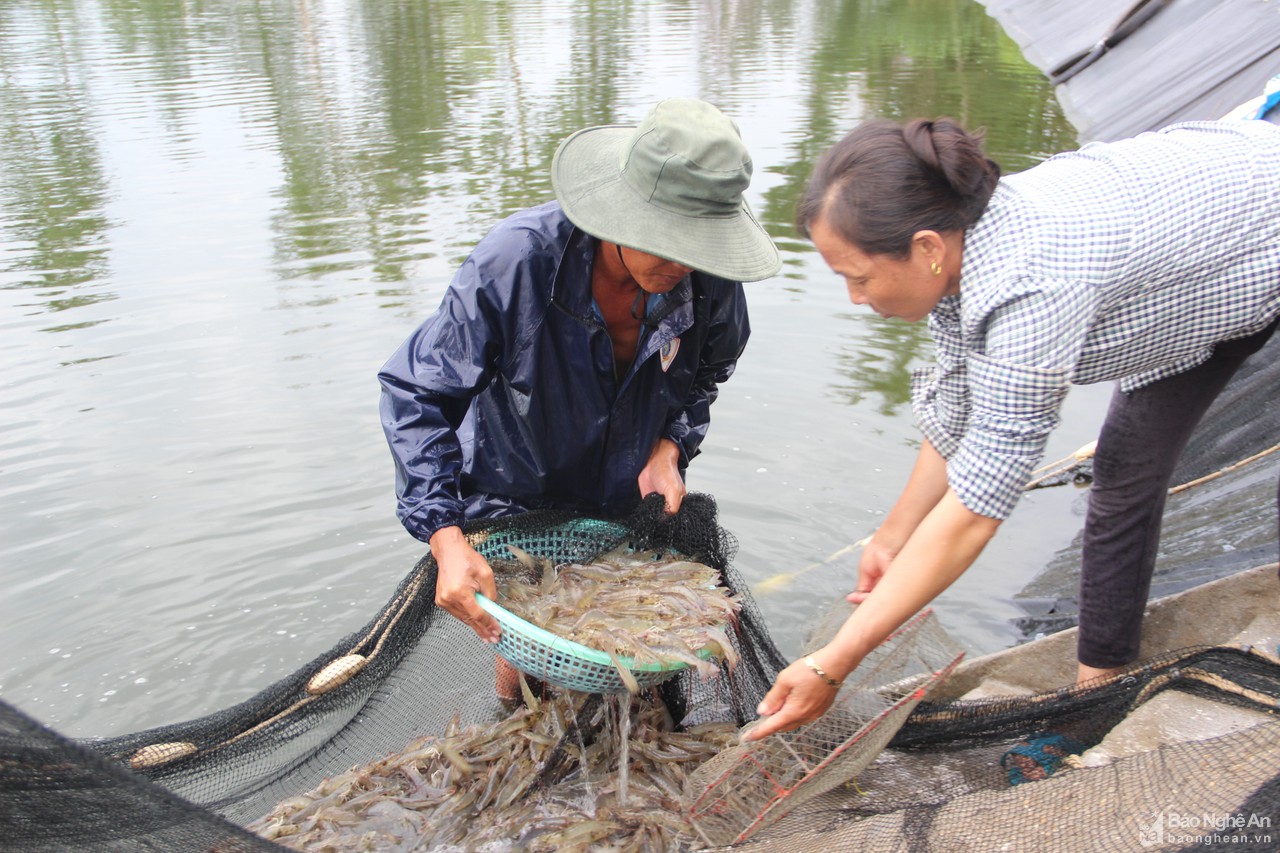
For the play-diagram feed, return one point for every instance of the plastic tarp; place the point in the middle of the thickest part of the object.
(1182, 60)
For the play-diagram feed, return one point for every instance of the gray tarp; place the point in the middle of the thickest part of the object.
(1190, 59)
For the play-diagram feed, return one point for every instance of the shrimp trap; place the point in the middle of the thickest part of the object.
(753, 785)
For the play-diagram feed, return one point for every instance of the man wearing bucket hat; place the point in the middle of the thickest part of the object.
(575, 356)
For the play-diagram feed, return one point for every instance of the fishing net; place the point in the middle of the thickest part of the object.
(942, 783)
(410, 671)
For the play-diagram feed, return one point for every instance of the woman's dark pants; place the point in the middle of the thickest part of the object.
(1142, 438)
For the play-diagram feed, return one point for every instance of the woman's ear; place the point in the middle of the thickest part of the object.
(929, 248)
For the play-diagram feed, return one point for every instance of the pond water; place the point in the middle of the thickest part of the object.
(218, 219)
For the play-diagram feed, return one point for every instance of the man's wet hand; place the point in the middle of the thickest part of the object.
(661, 474)
(462, 572)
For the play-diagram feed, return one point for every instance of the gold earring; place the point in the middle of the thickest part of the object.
(936, 268)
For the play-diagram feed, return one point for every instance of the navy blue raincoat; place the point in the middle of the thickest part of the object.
(505, 399)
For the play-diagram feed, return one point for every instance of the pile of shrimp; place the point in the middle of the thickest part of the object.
(478, 788)
(634, 605)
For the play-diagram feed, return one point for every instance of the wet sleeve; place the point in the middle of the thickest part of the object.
(427, 387)
(726, 339)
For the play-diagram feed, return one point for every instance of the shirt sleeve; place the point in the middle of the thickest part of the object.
(996, 401)
(1014, 408)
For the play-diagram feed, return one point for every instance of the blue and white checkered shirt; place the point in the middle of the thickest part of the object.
(1126, 260)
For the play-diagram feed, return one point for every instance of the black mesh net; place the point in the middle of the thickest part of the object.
(410, 671)
(1087, 712)
(944, 782)
(58, 795)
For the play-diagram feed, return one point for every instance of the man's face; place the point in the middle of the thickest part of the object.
(652, 273)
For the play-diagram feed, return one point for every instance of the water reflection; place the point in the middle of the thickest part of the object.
(912, 58)
(878, 360)
(237, 210)
(54, 190)
(403, 129)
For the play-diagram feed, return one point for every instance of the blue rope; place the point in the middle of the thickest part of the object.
(1046, 750)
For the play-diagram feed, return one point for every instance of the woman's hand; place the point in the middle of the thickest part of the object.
(661, 474)
(925, 488)
(462, 572)
(799, 696)
(872, 565)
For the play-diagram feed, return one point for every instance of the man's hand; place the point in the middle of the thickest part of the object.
(463, 573)
(799, 696)
(661, 474)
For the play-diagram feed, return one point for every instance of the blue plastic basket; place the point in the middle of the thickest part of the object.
(567, 664)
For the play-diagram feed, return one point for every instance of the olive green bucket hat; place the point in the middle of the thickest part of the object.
(671, 186)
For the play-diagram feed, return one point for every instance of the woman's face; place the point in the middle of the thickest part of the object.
(907, 289)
